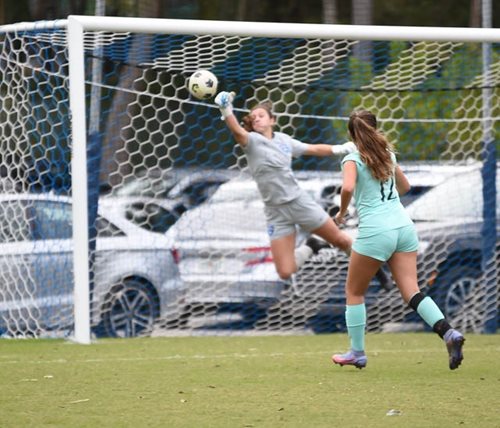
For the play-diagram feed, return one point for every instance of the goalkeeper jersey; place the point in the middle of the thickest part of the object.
(270, 163)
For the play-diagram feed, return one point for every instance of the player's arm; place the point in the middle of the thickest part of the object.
(402, 183)
(225, 102)
(348, 183)
(329, 150)
(239, 133)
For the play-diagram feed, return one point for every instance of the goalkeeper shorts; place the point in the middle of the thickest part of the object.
(304, 211)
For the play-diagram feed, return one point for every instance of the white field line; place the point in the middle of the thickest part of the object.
(236, 355)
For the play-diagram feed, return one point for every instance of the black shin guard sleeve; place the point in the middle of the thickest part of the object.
(441, 327)
(415, 300)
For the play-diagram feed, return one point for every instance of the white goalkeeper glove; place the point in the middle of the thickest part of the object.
(344, 149)
(225, 102)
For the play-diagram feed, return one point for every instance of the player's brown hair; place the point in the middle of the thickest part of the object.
(246, 121)
(374, 148)
(266, 105)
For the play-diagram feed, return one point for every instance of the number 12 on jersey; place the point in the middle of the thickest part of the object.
(387, 188)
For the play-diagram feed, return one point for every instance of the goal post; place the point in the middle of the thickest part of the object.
(124, 81)
(79, 180)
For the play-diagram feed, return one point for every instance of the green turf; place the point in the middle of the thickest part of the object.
(270, 381)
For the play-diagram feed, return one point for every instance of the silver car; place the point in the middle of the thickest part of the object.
(225, 257)
(155, 199)
(224, 250)
(135, 278)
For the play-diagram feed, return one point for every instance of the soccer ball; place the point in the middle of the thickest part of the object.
(202, 84)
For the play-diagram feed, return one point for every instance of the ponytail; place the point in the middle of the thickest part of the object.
(246, 123)
(374, 148)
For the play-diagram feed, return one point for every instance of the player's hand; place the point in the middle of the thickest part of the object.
(339, 219)
(225, 102)
(224, 99)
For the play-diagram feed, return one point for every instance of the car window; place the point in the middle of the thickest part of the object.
(105, 229)
(50, 219)
(413, 194)
(149, 186)
(458, 197)
(197, 193)
(151, 216)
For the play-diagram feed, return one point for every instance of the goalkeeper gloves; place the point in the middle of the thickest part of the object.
(344, 149)
(225, 102)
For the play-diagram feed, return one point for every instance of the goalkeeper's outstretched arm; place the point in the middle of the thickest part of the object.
(239, 133)
(225, 102)
(328, 150)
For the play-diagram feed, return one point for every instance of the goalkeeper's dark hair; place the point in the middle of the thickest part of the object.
(265, 105)
(246, 121)
(374, 148)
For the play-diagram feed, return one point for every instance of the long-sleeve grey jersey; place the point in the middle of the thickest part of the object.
(270, 163)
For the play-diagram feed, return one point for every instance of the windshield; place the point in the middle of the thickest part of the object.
(460, 197)
(152, 187)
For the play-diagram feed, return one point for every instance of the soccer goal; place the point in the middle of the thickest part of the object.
(126, 208)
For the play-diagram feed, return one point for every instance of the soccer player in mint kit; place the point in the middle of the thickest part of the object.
(386, 234)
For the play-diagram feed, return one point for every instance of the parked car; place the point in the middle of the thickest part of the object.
(225, 256)
(449, 219)
(135, 277)
(224, 252)
(155, 199)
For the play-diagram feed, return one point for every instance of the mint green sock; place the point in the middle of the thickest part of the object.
(355, 319)
(429, 311)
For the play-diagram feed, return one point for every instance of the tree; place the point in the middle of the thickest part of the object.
(362, 14)
(330, 11)
(475, 13)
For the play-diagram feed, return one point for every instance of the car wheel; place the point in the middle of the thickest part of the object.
(130, 309)
(459, 294)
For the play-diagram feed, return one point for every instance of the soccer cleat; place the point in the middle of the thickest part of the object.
(351, 358)
(316, 245)
(454, 342)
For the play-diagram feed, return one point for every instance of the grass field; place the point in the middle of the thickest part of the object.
(267, 381)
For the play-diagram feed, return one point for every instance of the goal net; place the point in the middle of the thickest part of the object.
(126, 208)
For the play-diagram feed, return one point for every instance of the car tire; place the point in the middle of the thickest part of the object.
(130, 309)
(458, 294)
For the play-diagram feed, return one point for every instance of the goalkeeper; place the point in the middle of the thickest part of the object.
(269, 155)
(386, 234)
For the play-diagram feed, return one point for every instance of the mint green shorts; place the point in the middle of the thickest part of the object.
(383, 245)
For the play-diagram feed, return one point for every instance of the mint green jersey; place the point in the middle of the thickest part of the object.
(377, 203)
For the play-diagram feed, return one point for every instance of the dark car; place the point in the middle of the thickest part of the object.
(449, 220)
(451, 262)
